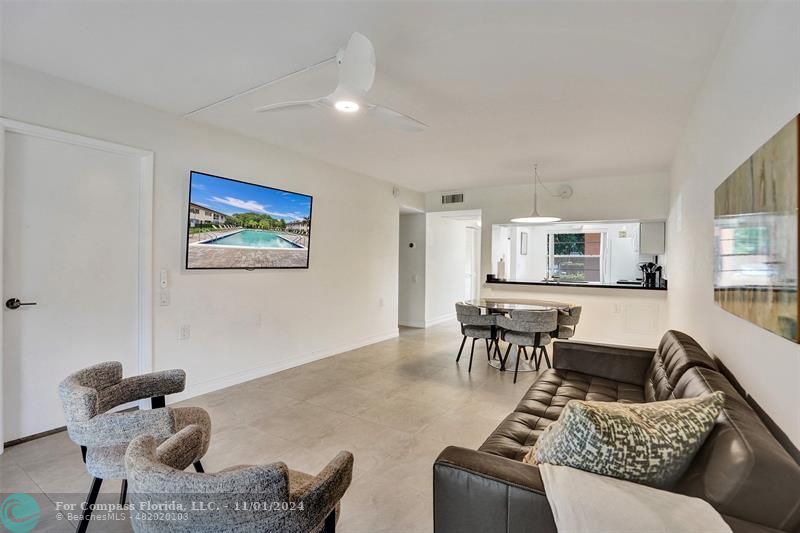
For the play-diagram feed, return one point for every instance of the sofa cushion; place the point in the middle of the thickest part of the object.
(542, 405)
(677, 352)
(741, 469)
(650, 443)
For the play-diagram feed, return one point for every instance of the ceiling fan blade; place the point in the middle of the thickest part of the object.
(300, 104)
(396, 119)
(356, 65)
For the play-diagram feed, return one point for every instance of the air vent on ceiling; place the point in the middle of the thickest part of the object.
(456, 198)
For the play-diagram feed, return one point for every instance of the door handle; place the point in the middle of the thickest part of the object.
(14, 303)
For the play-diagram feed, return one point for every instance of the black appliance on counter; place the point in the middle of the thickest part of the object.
(651, 274)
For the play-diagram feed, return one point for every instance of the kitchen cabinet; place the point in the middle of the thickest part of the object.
(652, 238)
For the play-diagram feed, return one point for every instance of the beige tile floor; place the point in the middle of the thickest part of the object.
(395, 405)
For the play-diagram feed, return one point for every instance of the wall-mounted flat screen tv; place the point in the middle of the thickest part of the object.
(239, 225)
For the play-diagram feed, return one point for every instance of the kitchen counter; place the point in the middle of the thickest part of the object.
(573, 284)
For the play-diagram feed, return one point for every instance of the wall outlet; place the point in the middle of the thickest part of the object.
(184, 332)
(163, 281)
(163, 297)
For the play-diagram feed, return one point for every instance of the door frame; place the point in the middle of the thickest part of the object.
(145, 281)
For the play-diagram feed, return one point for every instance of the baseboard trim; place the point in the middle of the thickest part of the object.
(196, 389)
(440, 320)
(411, 324)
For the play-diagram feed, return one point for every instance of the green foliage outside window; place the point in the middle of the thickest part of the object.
(569, 244)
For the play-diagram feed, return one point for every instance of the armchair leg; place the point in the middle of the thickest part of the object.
(471, 353)
(330, 522)
(83, 523)
(157, 402)
(462, 348)
(198, 467)
(123, 492)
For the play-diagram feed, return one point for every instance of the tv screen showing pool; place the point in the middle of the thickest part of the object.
(234, 224)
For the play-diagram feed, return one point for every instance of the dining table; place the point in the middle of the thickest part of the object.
(502, 306)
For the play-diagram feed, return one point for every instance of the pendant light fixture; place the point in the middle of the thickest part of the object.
(535, 217)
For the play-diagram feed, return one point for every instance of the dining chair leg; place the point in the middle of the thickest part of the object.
(462, 348)
(537, 357)
(86, 513)
(471, 352)
(505, 357)
(123, 492)
(546, 358)
(525, 352)
(516, 367)
(488, 350)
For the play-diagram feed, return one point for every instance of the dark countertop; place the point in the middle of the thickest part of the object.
(569, 284)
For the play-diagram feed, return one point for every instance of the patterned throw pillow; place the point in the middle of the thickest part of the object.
(651, 443)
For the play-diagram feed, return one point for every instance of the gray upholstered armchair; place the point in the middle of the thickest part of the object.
(241, 498)
(88, 395)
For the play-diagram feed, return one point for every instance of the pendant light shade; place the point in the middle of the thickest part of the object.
(535, 217)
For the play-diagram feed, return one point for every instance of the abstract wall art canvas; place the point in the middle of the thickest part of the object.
(756, 236)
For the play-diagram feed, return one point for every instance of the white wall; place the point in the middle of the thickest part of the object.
(243, 324)
(752, 90)
(636, 197)
(411, 293)
(445, 265)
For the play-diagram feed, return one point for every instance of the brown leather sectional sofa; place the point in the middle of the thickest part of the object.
(742, 470)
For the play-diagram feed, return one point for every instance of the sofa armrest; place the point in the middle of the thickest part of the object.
(479, 492)
(620, 363)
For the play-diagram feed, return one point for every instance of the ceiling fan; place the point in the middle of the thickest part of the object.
(356, 74)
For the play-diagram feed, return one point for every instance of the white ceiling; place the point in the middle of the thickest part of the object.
(583, 88)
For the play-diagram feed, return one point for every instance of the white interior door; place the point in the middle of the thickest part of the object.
(71, 245)
(472, 263)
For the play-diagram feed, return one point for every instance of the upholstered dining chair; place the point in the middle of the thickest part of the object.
(257, 498)
(475, 326)
(528, 328)
(88, 395)
(568, 322)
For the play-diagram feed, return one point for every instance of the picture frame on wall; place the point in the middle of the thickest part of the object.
(756, 246)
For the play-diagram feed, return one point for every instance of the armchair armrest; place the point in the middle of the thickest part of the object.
(620, 363)
(475, 491)
(182, 449)
(321, 495)
(152, 385)
(111, 429)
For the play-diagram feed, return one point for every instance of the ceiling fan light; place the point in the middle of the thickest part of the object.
(346, 106)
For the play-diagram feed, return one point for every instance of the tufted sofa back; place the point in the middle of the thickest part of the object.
(677, 352)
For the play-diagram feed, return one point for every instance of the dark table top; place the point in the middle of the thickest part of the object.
(512, 304)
